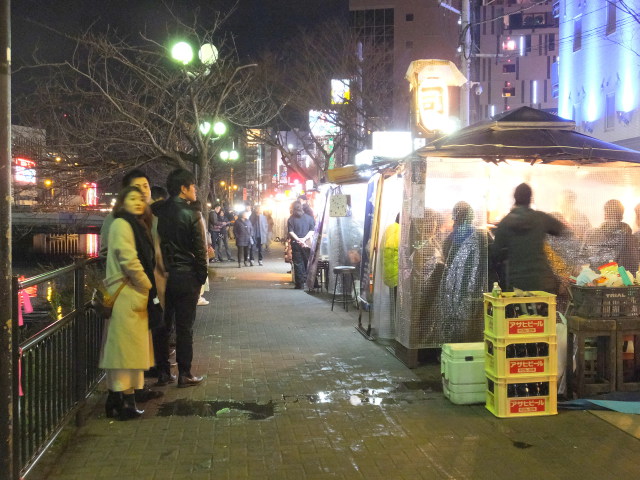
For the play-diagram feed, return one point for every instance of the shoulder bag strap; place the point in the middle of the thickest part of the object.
(124, 282)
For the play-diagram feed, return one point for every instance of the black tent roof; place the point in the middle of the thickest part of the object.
(531, 135)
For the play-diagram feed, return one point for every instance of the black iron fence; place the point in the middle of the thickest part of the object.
(58, 366)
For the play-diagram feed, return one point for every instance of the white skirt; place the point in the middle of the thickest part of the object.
(120, 380)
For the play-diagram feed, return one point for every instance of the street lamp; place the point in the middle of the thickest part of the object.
(229, 155)
(218, 128)
(182, 52)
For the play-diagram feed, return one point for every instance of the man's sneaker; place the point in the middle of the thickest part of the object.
(260, 262)
(202, 301)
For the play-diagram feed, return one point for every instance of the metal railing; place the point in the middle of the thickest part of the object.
(59, 369)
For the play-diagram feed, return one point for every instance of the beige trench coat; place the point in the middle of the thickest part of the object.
(128, 342)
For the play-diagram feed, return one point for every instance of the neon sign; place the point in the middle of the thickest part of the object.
(24, 170)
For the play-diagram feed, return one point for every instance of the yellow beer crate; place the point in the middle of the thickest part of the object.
(533, 356)
(509, 316)
(522, 397)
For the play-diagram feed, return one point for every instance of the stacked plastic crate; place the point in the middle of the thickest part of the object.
(521, 354)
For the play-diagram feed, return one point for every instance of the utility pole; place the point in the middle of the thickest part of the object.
(465, 56)
(7, 461)
(465, 62)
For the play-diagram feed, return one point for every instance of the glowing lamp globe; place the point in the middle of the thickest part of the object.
(182, 52)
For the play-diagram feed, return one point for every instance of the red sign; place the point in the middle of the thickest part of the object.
(527, 365)
(527, 405)
(518, 326)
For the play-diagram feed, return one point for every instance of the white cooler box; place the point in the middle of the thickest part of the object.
(462, 368)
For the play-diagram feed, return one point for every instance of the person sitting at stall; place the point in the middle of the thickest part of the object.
(573, 218)
(519, 245)
(612, 241)
(465, 279)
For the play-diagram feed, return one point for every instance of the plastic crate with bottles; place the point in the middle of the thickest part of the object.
(505, 358)
(522, 397)
(511, 316)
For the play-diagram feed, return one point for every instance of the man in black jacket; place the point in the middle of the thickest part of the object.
(182, 241)
(519, 245)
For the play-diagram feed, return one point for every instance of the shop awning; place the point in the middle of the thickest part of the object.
(530, 135)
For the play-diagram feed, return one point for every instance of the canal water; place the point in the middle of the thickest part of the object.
(38, 253)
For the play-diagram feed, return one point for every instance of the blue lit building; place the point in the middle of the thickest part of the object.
(599, 68)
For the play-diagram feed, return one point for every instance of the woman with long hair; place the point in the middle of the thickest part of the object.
(128, 350)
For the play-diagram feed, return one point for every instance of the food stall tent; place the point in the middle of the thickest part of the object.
(458, 185)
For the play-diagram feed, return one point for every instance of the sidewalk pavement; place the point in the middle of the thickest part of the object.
(294, 392)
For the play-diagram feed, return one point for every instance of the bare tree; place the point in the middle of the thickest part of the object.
(120, 103)
(301, 76)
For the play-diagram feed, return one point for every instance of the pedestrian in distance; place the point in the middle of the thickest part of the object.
(183, 244)
(243, 232)
(300, 227)
(260, 232)
(128, 349)
(218, 223)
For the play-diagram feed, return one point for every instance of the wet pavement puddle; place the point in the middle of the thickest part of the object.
(216, 408)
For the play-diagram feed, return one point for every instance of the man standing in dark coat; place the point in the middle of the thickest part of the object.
(300, 227)
(183, 245)
(519, 245)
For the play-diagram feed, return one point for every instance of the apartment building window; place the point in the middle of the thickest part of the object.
(577, 34)
(527, 44)
(508, 90)
(612, 8)
(551, 42)
(509, 68)
(610, 112)
(409, 17)
(509, 44)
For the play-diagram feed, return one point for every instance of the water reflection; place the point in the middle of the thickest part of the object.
(215, 408)
(67, 244)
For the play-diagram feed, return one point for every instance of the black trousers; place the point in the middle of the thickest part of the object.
(300, 257)
(219, 240)
(243, 253)
(181, 300)
(258, 248)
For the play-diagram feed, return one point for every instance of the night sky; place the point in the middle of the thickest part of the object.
(256, 24)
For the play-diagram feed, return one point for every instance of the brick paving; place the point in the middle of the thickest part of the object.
(294, 392)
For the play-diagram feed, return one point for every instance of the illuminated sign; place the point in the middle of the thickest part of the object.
(323, 124)
(433, 103)
(91, 194)
(340, 92)
(24, 170)
(391, 144)
(430, 81)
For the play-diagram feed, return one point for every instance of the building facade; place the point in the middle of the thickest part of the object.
(517, 47)
(599, 68)
(404, 30)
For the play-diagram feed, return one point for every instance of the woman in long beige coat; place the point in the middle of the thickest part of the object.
(128, 350)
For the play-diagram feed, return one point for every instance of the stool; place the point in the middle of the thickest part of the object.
(595, 357)
(346, 274)
(628, 357)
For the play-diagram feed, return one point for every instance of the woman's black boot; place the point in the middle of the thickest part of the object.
(113, 405)
(129, 409)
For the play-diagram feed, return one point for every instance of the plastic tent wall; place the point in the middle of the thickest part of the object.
(440, 294)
